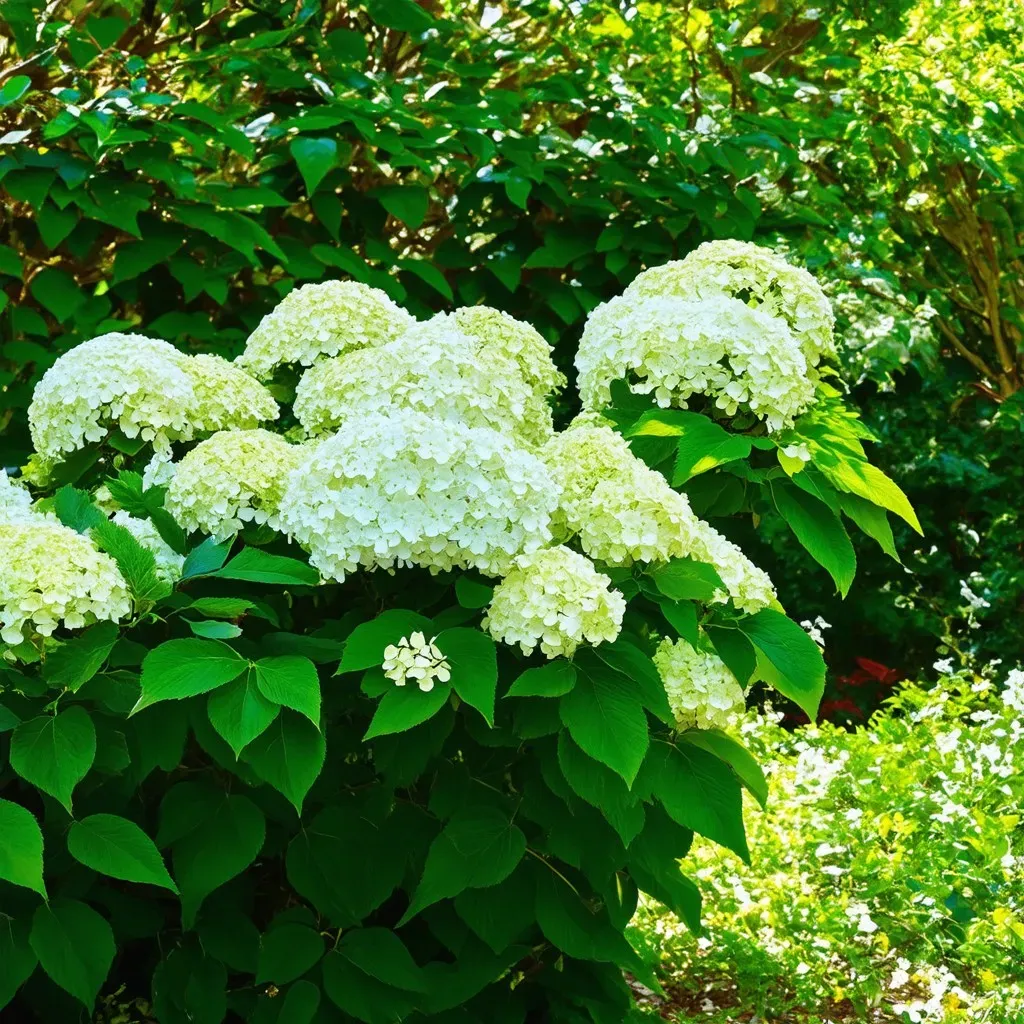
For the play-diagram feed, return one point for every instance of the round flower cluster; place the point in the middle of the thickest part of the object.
(144, 387)
(16, 503)
(739, 356)
(403, 488)
(554, 599)
(415, 657)
(758, 276)
(498, 334)
(168, 562)
(127, 381)
(232, 478)
(702, 692)
(50, 574)
(624, 512)
(226, 397)
(434, 368)
(322, 320)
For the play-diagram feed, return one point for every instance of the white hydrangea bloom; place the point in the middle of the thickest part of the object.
(702, 692)
(624, 512)
(50, 575)
(226, 397)
(756, 275)
(497, 333)
(168, 561)
(117, 380)
(414, 657)
(16, 503)
(159, 471)
(232, 478)
(1013, 693)
(401, 488)
(433, 368)
(322, 320)
(740, 357)
(554, 599)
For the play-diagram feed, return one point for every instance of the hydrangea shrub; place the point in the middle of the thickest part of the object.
(338, 684)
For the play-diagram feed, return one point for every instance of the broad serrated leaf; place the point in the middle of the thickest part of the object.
(240, 712)
(17, 957)
(474, 667)
(683, 579)
(137, 563)
(291, 681)
(734, 754)
(21, 851)
(287, 951)
(251, 565)
(314, 158)
(365, 645)
(55, 752)
(77, 661)
(871, 520)
(75, 947)
(205, 558)
(289, 756)
(479, 847)
(117, 847)
(403, 707)
(186, 668)
(554, 679)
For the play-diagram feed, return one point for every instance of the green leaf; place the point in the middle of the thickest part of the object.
(428, 273)
(699, 791)
(55, 224)
(371, 976)
(239, 711)
(55, 752)
(17, 957)
(819, 530)
(870, 483)
(407, 203)
(734, 754)
(13, 89)
(217, 850)
(255, 566)
(215, 630)
(683, 579)
(472, 594)
(185, 668)
(478, 848)
(474, 663)
(74, 508)
(401, 15)
(798, 667)
(137, 563)
(314, 157)
(75, 947)
(126, 490)
(654, 865)
(301, 1003)
(871, 520)
(21, 851)
(287, 951)
(117, 847)
(365, 645)
(289, 756)
(222, 607)
(78, 660)
(604, 716)
(735, 650)
(682, 617)
(204, 559)
(640, 670)
(291, 681)
(58, 293)
(554, 679)
(501, 913)
(404, 707)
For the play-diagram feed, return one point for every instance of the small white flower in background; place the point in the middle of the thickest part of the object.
(1013, 694)
(944, 666)
(946, 742)
(814, 630)
(414, 657)
(901, 976)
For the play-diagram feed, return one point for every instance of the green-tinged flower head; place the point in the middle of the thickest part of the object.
(674, 348)
(168, 561)
(497, 333)
(16, 504)
(226, 397)
(433, 368)
(51, 575)
(757, 276)
(554, 599)
(403, 488)
(622, 512)
(139, 385)
(319, 320)
(702, 692)
(417, 658)
(233, 478)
